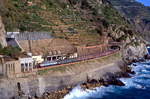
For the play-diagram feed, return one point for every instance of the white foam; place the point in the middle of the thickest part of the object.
(78, 93)
(137, 81)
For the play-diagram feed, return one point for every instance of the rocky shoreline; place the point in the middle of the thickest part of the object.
(110, 79)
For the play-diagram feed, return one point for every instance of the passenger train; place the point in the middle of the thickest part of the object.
(53, 63)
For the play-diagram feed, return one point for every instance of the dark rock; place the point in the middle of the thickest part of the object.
(132, 72)
(93, 81)
(125, 75)
(115, 82)
(147, 56)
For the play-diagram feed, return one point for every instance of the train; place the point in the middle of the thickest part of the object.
(53, 63)
(48, 63)
(66, 61)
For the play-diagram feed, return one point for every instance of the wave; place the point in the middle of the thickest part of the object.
(139, 83)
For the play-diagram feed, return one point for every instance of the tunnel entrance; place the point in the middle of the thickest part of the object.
(114, 47)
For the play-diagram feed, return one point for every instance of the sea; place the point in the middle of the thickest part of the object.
(136, 87)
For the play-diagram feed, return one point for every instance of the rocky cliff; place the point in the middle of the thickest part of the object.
(136, 13)
(2, 34)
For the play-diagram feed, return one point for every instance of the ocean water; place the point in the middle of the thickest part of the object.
(136, 87)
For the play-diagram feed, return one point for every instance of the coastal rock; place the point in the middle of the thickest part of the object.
(133, 52)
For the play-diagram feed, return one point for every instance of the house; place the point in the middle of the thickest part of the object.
(9, 67)
(23, 66)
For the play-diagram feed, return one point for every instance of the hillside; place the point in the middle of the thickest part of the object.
(80, 22)
(136, 13)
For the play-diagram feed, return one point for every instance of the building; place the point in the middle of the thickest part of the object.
(9, 67)
(27, 64)
(23, 66)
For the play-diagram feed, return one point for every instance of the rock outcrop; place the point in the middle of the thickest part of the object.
(2, 34)
(133, 53)
(136, 13)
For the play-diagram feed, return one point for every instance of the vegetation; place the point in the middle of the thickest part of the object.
(112, 16)
(18, 14)
(10, 51)
(80, 24)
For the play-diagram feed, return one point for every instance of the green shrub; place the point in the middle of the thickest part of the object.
(10, 51)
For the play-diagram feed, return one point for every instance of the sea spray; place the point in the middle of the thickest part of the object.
(136, 87)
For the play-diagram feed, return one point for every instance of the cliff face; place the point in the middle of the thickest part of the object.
(136, 13)
(134, 51)
(2, 34)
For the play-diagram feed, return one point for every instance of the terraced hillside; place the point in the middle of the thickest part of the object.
(83, 22)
